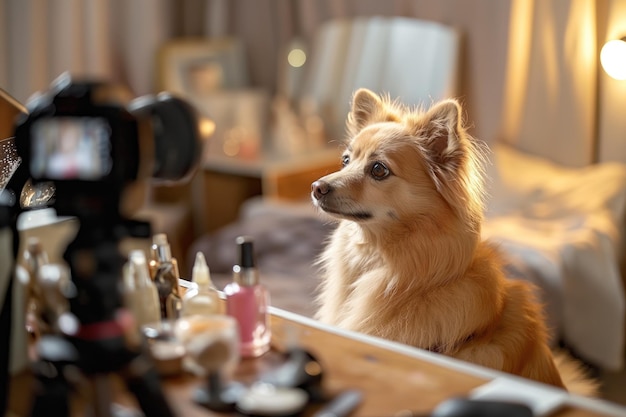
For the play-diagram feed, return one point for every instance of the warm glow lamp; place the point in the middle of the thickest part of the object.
(613, 58)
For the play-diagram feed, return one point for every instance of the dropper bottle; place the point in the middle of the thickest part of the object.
(166, 277)
(247, 301)
(203, 298)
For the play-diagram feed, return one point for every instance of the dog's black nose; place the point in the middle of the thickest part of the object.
(320, 189)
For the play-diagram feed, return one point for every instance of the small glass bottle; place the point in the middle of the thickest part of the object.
(33, 258)
(140, 293)
(166, 277)
(247, 301)
(203, 298)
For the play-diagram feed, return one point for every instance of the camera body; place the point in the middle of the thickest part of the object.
(95, 148)
(91, 143)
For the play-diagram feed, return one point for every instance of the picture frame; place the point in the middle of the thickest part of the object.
(211, 74)
(201, 66)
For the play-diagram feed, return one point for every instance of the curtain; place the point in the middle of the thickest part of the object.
(551, 87)
(108, 39)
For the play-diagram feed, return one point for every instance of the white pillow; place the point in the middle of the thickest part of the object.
(520, 181)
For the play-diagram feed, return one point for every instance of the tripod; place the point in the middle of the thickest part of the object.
(98, 337)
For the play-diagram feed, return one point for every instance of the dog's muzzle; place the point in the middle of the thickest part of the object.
(323, 199)
(319, 189)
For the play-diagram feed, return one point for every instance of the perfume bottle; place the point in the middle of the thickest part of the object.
(247, 301)
(203, 299)
(140, 293)
(166, 277)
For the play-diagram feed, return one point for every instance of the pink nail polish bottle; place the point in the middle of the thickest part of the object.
(247, 301)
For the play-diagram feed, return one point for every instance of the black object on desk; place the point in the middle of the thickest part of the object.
(300, 370)
(462, 407)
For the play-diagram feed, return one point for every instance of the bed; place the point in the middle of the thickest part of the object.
(565, 235)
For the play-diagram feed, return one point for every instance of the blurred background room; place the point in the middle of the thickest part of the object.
(276, 77)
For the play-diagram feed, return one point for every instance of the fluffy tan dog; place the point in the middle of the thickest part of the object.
(406, 261)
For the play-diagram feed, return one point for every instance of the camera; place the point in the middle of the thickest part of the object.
(91, 142)
(95, 146)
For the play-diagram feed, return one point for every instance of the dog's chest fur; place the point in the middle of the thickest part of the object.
(363, 290)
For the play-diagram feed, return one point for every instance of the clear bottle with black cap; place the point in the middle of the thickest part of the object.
(166, 276)
(247, 301)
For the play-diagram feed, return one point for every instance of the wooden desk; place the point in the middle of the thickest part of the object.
(392, 377)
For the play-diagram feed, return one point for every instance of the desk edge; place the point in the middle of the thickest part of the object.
(574, 400)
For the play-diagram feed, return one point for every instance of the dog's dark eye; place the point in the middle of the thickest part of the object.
(379, 171)
(345, 160)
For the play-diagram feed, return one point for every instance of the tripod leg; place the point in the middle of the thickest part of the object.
(52, 389)
(144, 383)
(102, 401)
(5, 329)
(52, 393)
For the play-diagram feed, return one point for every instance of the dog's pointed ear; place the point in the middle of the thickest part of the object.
(454, 159)
(365, 105)
(442, 131)
(367, 108)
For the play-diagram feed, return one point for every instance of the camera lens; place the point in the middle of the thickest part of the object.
(177, 141)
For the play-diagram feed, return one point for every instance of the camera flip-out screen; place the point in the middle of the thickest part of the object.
(71, 148)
